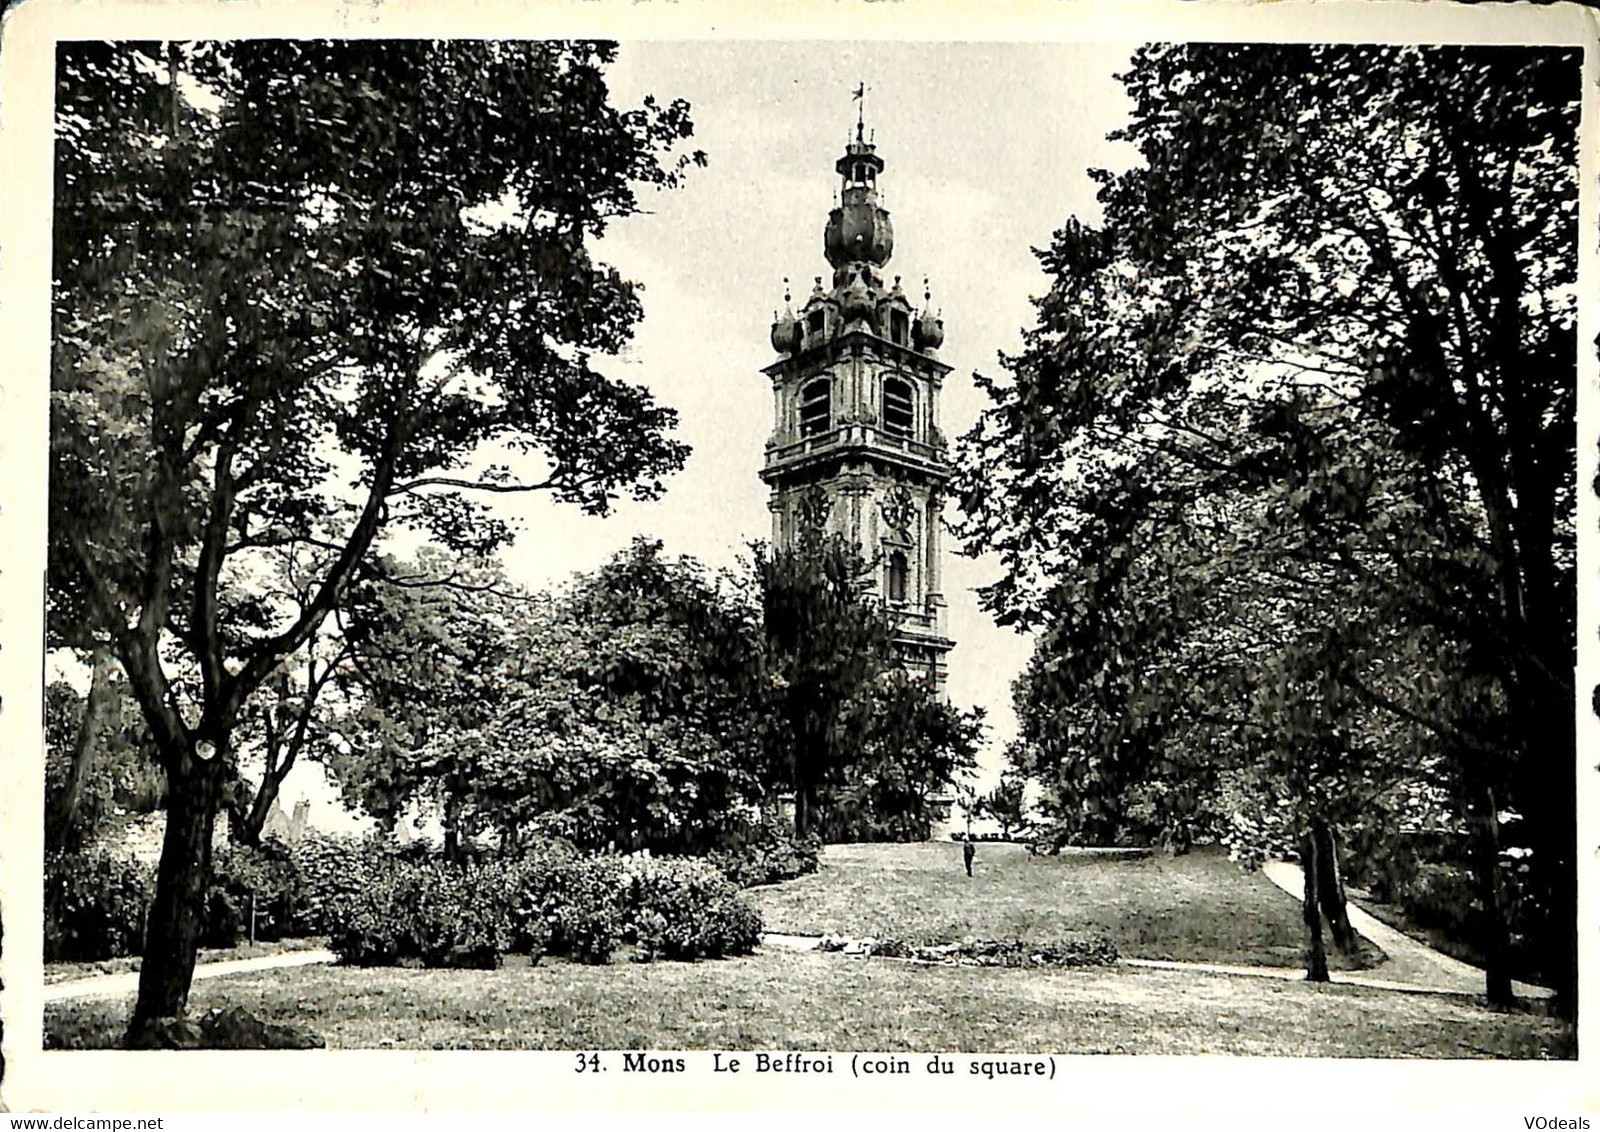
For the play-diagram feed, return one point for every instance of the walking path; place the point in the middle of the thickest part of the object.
(1410, 965)
(126, 982)
(791, 942)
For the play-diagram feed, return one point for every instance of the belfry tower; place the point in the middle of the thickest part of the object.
(856, 447)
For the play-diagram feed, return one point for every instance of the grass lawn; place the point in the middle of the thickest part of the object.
(1200, 907)
(788, 1000)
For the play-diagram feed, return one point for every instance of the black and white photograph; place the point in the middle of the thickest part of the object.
(865, 558)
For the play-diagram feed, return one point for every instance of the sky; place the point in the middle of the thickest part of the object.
(976, 175)
(987, 148)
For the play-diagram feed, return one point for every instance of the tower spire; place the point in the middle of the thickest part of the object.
(858, 229)
(856, 448)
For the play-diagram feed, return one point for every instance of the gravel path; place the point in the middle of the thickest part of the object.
(127, 982)
(1410, 965)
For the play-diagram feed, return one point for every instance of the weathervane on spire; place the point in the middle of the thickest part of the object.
(859, 97)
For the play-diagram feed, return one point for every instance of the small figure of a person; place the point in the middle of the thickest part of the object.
(968, 851)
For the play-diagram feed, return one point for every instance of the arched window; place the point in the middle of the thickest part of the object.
(897, 577)
(897, 407)
(899, 328)
(814, 407)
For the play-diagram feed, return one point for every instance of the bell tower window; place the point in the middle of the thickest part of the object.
(898, 414)
(897, 571)
(899, 328)
(815, 406)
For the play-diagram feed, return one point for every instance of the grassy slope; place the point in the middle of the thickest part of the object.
(1200, 907)
(778, 1000)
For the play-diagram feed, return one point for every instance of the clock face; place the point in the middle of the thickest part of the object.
(898, 509)
(815, 507)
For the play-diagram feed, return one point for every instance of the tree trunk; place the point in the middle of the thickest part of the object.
(1316, 954)
(61, 817)
(177, 914)
(1548, 799)
(802, 812)
(1330, 888)
(247, 830)
(247, 817)
(452, 824)
(1486, 869)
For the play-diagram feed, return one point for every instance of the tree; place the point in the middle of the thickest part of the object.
(912, 745)
(427, 649)
(72, 734)
(288, 717)
(970, 803)
(304, 292)
(634, 716)
(825, 642)
(287, 720)
(622, 713)
(1197, 677)
(98, 760)
(1007, 803)
(1325, 328)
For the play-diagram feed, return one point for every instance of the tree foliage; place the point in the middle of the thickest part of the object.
(1285, 472)
(910, 746)
(633, 718)
(304, 292)
(99, 764)
(634, 709)
(865, 748)
(825, 642)
(428, 646)
(1007, 803)
(622, 713)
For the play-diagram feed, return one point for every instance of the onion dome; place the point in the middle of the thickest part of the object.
(785, 329)
(928, 333)
(858, 232)
(858, 229)
(785, 332)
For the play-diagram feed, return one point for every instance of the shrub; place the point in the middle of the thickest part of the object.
(403, 911)
(272, 876)
(589, 918)
(424, 913)
(1084, 949)
(685, 908)
(766, 854)
(671, 908)
(1076, 949)
(331, 869)
(94, 905)
(571, 905)
(1444, 897)
(296, 887)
